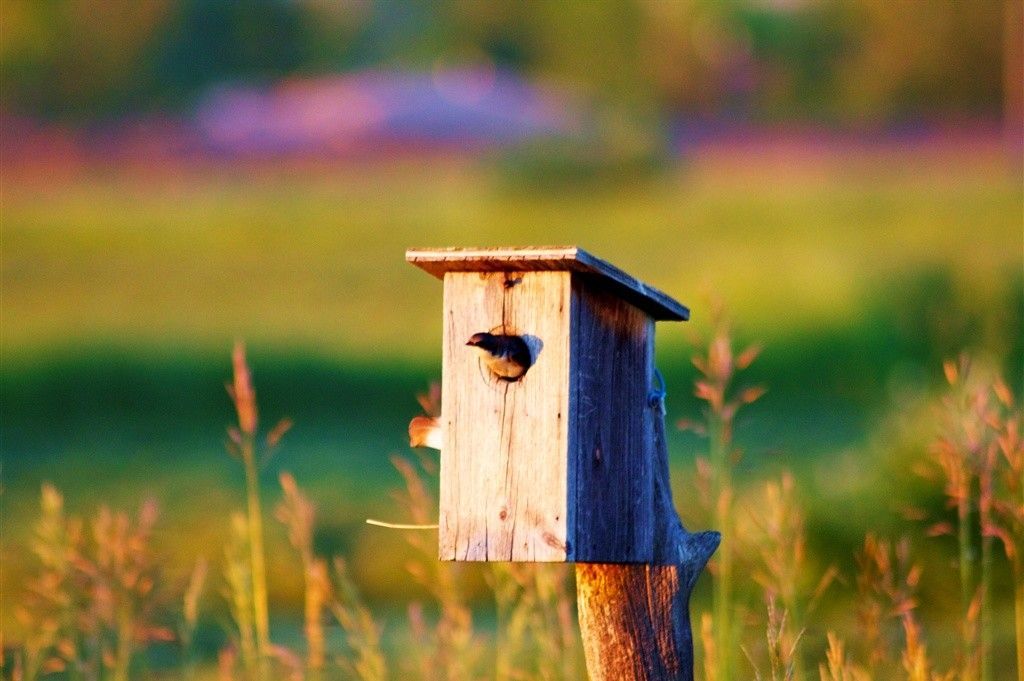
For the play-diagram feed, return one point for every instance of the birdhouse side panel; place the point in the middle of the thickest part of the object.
(611, 484)
(503, 461)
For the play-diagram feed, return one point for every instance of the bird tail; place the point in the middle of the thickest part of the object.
(425, 431)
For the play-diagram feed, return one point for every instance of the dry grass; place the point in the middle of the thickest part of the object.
(537, 633)
(363, 659)
(718, 367)
(836, 667)
(781, 647)
(93, 604)
(776, 543)
(447, 648)
(978, 454)
(190, 615)
(97, 604)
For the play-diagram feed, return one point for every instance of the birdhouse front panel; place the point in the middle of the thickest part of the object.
(503, 456)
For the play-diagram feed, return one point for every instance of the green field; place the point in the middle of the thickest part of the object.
(123, 290)
(311, 260)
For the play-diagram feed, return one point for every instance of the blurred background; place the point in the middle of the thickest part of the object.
(845, 178)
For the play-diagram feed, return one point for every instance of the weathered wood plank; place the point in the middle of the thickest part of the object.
(503, 463)
(611, 485)
(438, 261)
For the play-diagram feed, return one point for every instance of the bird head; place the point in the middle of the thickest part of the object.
(486, 342)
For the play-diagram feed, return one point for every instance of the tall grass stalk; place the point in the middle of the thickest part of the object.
(247, 579)
(363, 658)
(874, 580)
(718, 368)
(238, 578)
(837, 667)
(537, 636)
(91, 607)
(986, 472)
(707, 642)
(778, 536)
(256, 555)
(973, 428)
(451, 649)
(244, 397)
(782, 647)
(366, 660)
(915, 653)
(1008, 503)
(243, 445)
(47, 617)
(781, 548)
(297, 513)
(887, 582)
(953, 449)
(190, 616)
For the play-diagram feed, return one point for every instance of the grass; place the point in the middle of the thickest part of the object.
(122, 290)
(299, 259)
(717, 369)
(97, 598)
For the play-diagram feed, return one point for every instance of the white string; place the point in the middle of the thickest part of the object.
(398, 525)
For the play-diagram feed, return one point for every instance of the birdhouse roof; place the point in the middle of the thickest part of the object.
(437, 261)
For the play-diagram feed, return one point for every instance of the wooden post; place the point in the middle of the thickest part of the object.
(635, 619)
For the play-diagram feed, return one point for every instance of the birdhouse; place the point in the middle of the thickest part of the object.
(556, 463)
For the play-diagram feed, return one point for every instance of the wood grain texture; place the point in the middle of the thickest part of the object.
(611, 484)
(503, 462)
(634, 624)
(635, 619)
(438, 261)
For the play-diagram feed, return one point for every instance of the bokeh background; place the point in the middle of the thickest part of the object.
(844, 178)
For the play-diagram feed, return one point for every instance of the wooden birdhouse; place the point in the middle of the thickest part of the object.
(556, 464)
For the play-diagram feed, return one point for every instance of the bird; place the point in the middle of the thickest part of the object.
(425, 431)
(507, 357)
